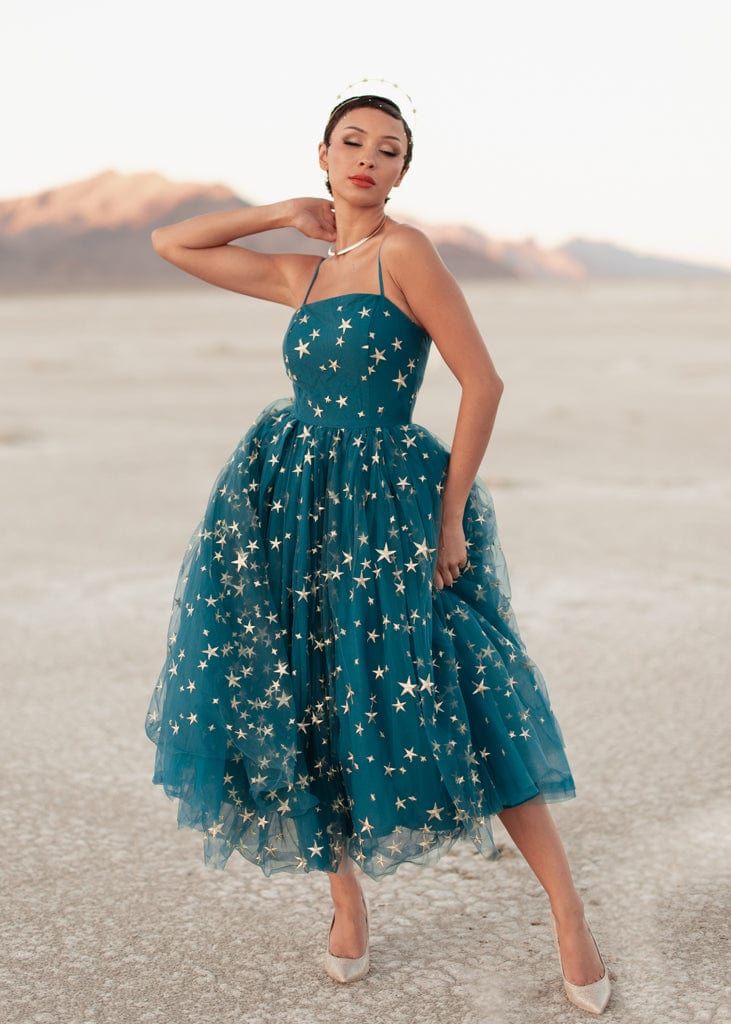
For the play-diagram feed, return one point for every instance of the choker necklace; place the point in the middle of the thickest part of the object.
(331, 251)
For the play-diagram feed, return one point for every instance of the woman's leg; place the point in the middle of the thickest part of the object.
(534, 832)
(348, 936)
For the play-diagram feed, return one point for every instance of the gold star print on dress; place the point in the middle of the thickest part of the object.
(319, 693)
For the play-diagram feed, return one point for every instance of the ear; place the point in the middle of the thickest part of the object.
(322, 156)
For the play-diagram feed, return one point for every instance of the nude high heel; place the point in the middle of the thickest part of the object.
(592, 997)
(347, 968)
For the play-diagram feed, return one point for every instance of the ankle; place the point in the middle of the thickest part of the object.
(347, 896)
(569, 911)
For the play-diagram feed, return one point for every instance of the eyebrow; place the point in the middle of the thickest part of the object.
(357, 129)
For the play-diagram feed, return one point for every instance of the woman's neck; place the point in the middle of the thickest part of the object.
(352, 226)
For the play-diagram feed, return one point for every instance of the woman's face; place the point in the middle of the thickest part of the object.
(365, 141)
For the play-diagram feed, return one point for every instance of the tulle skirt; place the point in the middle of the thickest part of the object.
(319, 695)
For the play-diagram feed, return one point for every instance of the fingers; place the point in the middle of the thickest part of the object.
(444, 578)
(447, 574)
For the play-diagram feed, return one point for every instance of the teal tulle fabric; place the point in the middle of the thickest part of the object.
(319, 693)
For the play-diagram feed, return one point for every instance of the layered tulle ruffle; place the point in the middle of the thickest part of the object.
(318, 692)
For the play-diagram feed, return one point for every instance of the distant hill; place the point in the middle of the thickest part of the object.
(95, 234)
(602, 259)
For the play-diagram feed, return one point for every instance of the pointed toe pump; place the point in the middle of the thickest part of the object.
(346, 968)
(592, 997)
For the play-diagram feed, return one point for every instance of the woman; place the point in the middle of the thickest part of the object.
(345, 681)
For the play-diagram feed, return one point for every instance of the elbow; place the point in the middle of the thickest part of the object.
(492, 384)
(485, 386)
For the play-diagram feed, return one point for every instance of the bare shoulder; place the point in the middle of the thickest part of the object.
(411, 257)
(406, 242)
(412, 263)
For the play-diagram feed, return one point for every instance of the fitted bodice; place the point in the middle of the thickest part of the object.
(355, 359)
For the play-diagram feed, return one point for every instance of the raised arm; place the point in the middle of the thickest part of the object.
(201, 246)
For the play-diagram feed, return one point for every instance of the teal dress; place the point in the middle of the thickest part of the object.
(319, 693)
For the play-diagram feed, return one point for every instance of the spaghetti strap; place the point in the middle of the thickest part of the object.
(312, 279)
(380, 272)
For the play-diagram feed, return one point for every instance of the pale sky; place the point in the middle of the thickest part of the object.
(538, 119)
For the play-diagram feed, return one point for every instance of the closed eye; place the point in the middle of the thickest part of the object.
(386, 151)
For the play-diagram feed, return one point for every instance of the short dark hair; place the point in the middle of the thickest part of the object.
(355, 102)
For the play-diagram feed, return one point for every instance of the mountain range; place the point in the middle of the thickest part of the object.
(94, 234)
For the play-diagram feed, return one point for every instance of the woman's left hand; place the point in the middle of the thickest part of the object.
(451, 555)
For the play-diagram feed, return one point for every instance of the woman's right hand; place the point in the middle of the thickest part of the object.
(314, 217)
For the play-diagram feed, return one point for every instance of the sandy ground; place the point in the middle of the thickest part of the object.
(612, 493)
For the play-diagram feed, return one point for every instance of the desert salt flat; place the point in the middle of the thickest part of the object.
(610, 474)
